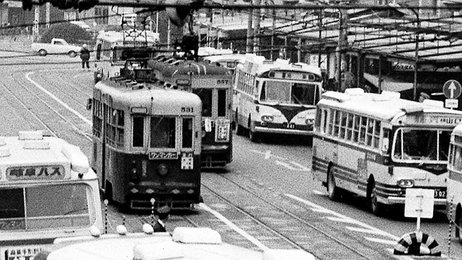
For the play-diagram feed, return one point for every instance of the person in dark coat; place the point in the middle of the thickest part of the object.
(85, 56)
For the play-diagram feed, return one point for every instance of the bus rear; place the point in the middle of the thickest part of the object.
(454, 197)
(48, 191)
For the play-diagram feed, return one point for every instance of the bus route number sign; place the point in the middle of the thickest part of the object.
(187, 109)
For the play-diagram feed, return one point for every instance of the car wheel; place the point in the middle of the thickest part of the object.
(42, 52)
(72, 54)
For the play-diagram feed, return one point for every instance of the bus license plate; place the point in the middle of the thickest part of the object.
(440, 193)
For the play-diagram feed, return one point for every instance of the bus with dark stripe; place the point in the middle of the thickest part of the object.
(378, 145)
(213, 84)
(275, 97)
(146, 143)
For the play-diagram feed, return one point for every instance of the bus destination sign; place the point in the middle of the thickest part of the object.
(53, 172)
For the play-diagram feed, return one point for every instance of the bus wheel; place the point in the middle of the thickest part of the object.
(239, 129)
(458, 222)
(332, 189)
(253, 136)
(374, 204)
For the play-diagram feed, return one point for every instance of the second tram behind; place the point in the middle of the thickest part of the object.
(146, 143)
(213, 84)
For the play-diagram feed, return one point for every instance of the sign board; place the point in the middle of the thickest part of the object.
(419, 203)
(451, 103)
(452, 89)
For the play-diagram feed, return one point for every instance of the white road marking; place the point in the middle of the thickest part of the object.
(381, 241)
(233, 226)
(57, 99)
(268, 155)
(301, 167)
(364, 230)
(344, 220)
(319, 192)
(350, 220)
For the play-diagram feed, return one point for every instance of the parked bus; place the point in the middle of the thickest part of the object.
(275, 97)
(113, 49)
(146, 143)
(454, 198)
(378, 145)
(47, 191)
(227, 60)
(213, 85)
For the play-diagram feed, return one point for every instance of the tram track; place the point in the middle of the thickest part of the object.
(339, 250)
(20, 95)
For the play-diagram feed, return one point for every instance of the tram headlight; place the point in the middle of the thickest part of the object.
(162, 169)
(406, 183)
(267, 118)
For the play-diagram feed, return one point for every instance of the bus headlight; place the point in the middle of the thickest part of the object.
(406, 183)
(309, 121)
(267, 118)
(162, 169)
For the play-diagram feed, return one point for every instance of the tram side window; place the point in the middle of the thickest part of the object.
(187, 133)
(138, 131)
(222, 102)
(206, 96)
(162, 132)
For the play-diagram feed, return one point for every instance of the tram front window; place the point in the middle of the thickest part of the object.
(421, 145)
(206, 96)
(163, 132)
(44, 206)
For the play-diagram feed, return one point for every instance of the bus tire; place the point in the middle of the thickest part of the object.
(253, 136)
(72, 54)
(458, 222)
(374, 205)
(42, 52)
(332, 189)
(239, 129)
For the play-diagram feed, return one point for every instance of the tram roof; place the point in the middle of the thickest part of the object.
(385, 106)
(144, 94)
(187, 67)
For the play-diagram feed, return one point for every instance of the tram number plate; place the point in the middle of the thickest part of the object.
(163, 155)
(440, 193)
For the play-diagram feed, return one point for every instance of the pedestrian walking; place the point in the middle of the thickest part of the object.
(85, 56)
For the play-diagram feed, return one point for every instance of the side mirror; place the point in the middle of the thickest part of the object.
(89, 103)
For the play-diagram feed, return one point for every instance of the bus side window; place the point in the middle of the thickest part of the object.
(331, 122)
(138, 131)
(324, 120)
(457, 158)
(362, 130)
(356, 128)
(343, 125)
(349, 130)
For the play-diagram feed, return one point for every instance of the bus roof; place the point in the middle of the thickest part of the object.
(32, 151)
(184, 243)
(186, 67)
(145, 94)
(385, 106)
(257, 65)
(118, 36)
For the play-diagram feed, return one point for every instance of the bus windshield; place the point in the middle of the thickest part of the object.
(421, 144)
(44, 206)
(289, 92)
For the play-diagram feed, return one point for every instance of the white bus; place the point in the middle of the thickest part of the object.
(377, 145)
(275, 97)
(454, 197)
(47, 191)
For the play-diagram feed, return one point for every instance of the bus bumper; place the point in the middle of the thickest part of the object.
(286, 131)
(402, 200)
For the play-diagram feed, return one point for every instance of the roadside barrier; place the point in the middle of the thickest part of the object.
(417, 243)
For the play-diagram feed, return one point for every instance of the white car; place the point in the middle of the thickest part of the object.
(57, 46)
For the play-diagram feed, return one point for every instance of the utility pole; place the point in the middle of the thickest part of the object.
(256, 32)
(342, 45)
(249, 43)
(36, 21)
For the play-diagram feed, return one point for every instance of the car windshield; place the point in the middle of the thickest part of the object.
(421, 145)
(289, 92)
